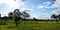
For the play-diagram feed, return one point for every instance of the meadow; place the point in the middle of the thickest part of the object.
(27, 25)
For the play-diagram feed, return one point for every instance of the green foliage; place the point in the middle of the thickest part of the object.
(41, 25)
(3, 22)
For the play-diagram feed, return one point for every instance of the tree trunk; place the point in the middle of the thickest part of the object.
(56, 20)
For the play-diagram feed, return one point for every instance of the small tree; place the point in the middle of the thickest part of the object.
(54, 17)
(25, 16)
(35, 20)
(10, 15)
(59, 16)
(4, 20)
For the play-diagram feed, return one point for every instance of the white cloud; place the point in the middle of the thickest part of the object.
(58, 1)
(9, 5)
(39, 16)
(56, 12)
(56, 4)
(41, 7)
(45, 5)
(26, 9)
(12, 3)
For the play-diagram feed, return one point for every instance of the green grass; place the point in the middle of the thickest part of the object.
(27, 25)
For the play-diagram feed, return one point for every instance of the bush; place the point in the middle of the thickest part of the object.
(2, 22)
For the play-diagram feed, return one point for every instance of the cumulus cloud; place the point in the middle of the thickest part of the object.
(26, 9)
(39, 16)
(58, 1)
(56, 12)
(56, 4)
(44, 5)
(10, 5)
(40, 7)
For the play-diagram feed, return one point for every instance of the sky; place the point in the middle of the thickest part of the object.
(35, 8)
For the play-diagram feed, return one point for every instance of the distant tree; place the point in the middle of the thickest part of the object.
(34, 19)
(10, 15)
(4, 19)
(0, 16)
(25, 16)
(48, 20)
(54, 17)
(59, 16)
(0, 19)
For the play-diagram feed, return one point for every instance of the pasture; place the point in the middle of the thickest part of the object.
(27, 25)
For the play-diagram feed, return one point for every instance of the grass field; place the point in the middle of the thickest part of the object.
(27, 25)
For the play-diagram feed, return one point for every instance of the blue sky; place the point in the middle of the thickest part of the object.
(40, 9)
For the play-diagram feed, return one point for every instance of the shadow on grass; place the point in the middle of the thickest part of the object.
(20, 27)
(25, 28)
(11, 27)
(3, 24)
